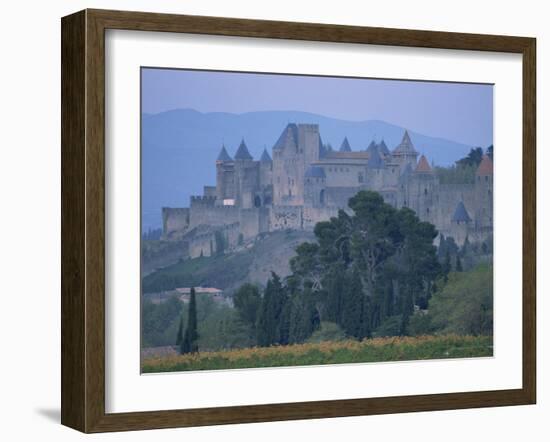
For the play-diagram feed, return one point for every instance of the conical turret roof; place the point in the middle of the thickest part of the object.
(461, 214)
(265, 158)
(288, 138)
(423, 166)
(372, 146)
(224, 156)
(345, 147)
(406, 146)
(375, 160)
(242, 152)
(383, 148)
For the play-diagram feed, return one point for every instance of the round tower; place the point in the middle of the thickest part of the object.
(484, 195)
(405, 152)
(422, 188)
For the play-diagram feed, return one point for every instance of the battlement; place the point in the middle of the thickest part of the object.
(205, 200)
(303, 183)
(309, 127)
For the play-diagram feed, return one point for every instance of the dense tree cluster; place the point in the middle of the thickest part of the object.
(374, 272)
(367, 267)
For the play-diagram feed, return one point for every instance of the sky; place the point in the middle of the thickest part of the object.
(459, 112)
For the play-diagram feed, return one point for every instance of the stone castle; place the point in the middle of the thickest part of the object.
(305, 182)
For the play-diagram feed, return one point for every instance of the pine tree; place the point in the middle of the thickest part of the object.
(353, 308)
(189, 344)
(274, 314)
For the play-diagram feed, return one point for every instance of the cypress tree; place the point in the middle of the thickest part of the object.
(353, 308)
(189, 343)
(408, 309)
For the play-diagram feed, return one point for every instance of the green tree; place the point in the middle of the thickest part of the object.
(473, 158)
(355, 321)
(365, 263)
(272, 315)
(304, 318)
(247, 301)
(465, 304)
(490, 152)
(189, 344)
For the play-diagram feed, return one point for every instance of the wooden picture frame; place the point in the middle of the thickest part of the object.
(83, 220)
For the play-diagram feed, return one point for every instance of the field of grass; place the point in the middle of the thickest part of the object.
(369, 350)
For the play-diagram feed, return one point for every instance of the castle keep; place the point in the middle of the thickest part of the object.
(305, 182)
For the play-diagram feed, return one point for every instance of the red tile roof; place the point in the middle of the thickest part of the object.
(486, 166)
(423, 165)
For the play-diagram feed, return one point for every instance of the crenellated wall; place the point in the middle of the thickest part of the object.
(254, 197)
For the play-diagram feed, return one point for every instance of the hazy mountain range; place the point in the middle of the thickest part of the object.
(179, 148)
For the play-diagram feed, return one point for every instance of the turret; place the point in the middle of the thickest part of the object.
(422, 186)
(484, 194)
(460, 223)
(242, 153)
(405, 152)
(375, 168)
(345, 147)
(383, 148)
(266, 171)
(223, 156)
(225, 170)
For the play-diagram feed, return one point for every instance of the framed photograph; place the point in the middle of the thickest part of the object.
(269, 220)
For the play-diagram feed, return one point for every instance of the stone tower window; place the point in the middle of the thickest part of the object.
(425, 191)
(360, 177)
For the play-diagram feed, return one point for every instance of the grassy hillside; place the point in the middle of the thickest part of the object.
(368, 350)
(253, 264)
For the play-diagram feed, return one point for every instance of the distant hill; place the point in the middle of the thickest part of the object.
(179, 148)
